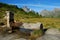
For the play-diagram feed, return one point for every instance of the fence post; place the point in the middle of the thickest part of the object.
(10, 19)
(7, 14)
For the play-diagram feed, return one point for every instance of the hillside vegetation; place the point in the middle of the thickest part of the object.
(19, 12)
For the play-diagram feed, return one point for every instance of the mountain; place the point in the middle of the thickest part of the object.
(51, 14)
(56, 12)
(26, 9)
(46, 13)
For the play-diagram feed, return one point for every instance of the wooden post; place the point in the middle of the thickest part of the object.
(8, 24)
(10, 18)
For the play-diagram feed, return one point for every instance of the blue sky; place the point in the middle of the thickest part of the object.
(36, 5)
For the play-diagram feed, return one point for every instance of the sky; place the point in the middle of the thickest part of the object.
(36, 5)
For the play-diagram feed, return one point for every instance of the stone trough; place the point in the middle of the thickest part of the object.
(28, 28)
(35, 26)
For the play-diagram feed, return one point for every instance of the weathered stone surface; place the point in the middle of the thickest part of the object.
(50, 34)
(52, 31)
(10, 37)
(21, 39)
(49, 37)
(31, 25)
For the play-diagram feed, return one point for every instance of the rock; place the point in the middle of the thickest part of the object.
(9, 31)
(50, 34)
(32, 25)
(52, 31)
(49, 37)
(21, 39)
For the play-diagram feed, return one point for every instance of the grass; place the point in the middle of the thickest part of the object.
(47, 22)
